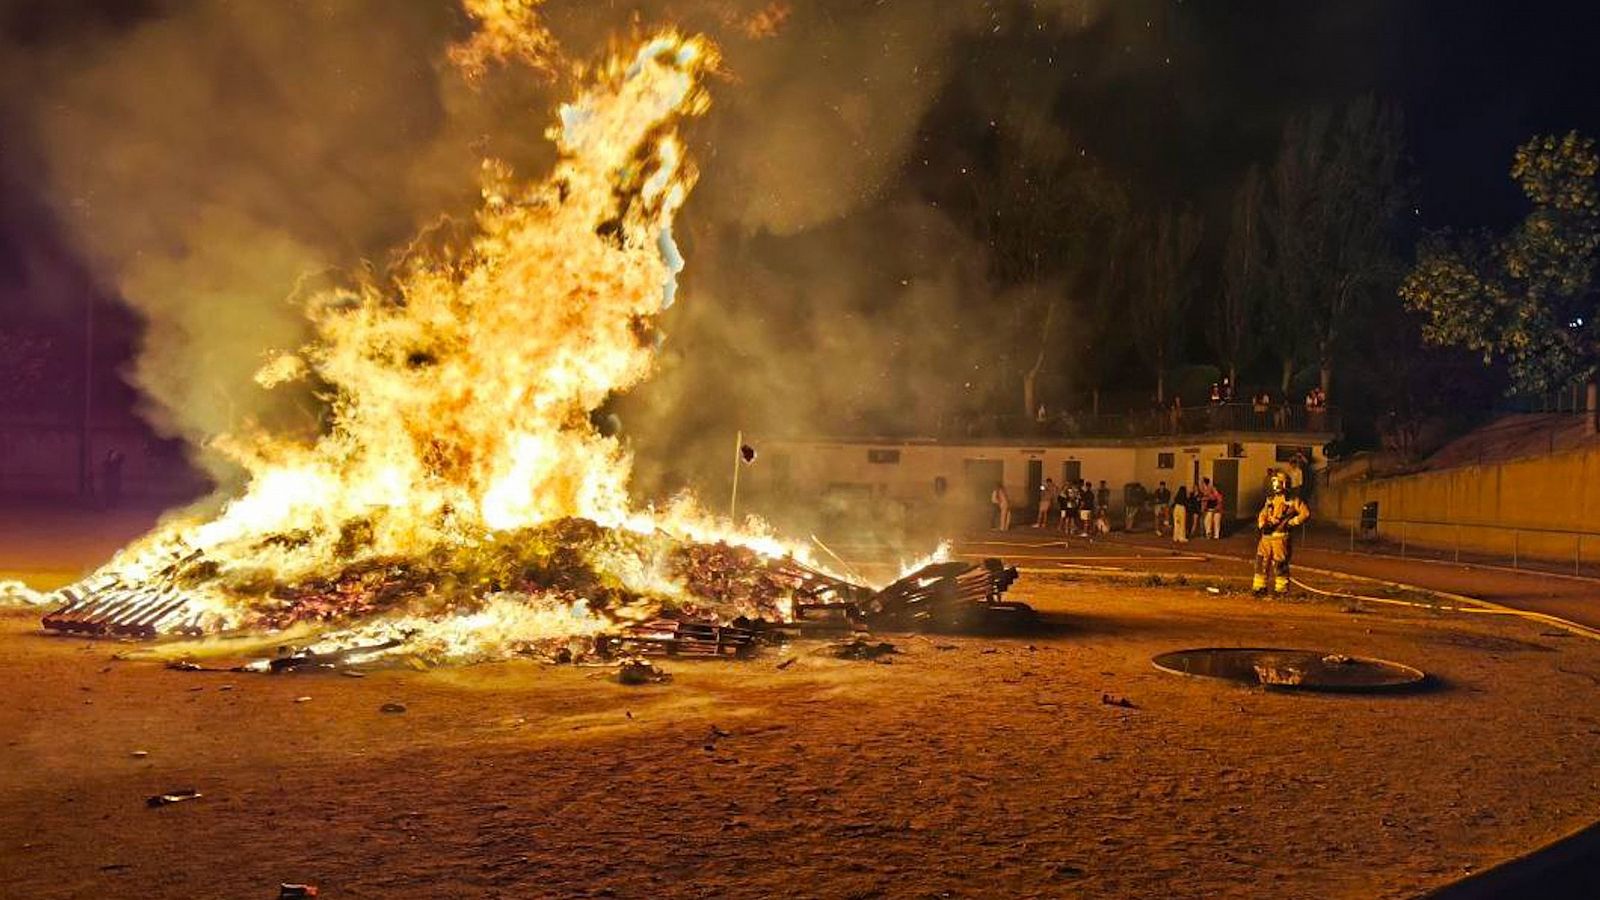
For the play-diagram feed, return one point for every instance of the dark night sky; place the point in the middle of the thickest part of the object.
(1474, 79)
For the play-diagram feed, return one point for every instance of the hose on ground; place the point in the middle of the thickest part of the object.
(1482, 606)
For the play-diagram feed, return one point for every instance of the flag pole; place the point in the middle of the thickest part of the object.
(733, 501)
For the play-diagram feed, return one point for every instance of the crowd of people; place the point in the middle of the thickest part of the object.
(1188, 513)
(1079, 508)
(1074, 507)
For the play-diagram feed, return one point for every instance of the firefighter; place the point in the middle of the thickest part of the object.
(1279, 515)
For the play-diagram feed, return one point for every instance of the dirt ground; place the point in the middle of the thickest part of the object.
(968, 767)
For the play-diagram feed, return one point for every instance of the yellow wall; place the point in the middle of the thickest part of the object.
(1484, 504)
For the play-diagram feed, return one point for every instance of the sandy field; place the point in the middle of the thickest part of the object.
(967, 767)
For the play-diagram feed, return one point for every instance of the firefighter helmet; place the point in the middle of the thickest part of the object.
(1278, 484)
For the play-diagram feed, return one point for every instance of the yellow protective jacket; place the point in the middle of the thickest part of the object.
(1282, 512)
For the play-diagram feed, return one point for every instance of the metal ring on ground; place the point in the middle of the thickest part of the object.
(1299, 670)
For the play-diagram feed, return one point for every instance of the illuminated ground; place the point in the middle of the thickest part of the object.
(968, 767)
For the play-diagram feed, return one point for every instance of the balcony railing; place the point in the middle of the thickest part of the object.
(1219, 417)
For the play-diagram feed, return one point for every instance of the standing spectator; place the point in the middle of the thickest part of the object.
(1261, 406)
(1216, 393)
(1194, 512)
(1316, 401)
(1134, 498)
(1175, 413)
(1102, 519)
(1069, 506)
(1102, 499)
(1163, 498)
(1210, 509)
(1047, 502)
(1086, 507)
(1002, 506)
(1180, 515)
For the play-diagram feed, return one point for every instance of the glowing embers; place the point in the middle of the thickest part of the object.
(1301, 670)
(564, 590)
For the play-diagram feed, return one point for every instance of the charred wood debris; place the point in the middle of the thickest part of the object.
(738, 600)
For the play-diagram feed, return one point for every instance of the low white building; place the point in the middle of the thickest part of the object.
(947, 484)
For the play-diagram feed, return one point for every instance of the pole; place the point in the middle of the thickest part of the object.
(85, 480)
(733, 500)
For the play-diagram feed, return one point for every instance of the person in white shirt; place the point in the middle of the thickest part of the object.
(1002, 504)
(1047, 502)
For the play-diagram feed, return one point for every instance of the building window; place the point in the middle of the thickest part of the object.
(889, 457)
(1288, 453)
(1165, 460)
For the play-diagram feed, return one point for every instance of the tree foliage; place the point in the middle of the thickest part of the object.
(31, 369)
(1044, 210)
(1234, 327)
(1528, 296)
(1334, 200)
(1167, 247)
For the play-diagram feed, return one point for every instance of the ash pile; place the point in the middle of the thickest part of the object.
(566, 589)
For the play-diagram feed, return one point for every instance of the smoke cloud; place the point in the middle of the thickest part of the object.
(212, 158)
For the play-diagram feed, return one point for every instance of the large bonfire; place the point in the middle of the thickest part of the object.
(459, 496)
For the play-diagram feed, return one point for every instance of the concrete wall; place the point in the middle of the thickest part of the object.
(1484, 506)
(903, 476)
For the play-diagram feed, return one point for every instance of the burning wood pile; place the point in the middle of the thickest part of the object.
(457, 502)
(627, 593)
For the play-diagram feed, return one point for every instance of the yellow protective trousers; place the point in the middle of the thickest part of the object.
(1272, 561)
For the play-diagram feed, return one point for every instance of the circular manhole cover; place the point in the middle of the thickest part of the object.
(1301, 670)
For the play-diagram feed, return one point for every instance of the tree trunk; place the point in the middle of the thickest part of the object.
(1288, 376)
(1161, 385)
(1591, 405)
(1327, 378)
(1030, 380)
(1094, 395)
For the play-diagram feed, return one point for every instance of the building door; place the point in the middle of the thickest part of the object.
(1225, 475)
(1072, 471)
(980, 475)
(1035, 483)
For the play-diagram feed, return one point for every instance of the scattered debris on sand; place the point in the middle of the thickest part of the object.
(638, 671)
(862, 648)
(171, 797)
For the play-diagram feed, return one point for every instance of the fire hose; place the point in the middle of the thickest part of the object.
(1471, 605)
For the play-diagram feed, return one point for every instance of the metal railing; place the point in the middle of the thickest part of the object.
(1545, 550)
(1285, 418)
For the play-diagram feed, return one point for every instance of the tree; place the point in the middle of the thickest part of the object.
(1332, 212)
(1167, 250)
(1043, 211)
(1530, 296)
(1102, 341)
(30, 367)
(1234, 328)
